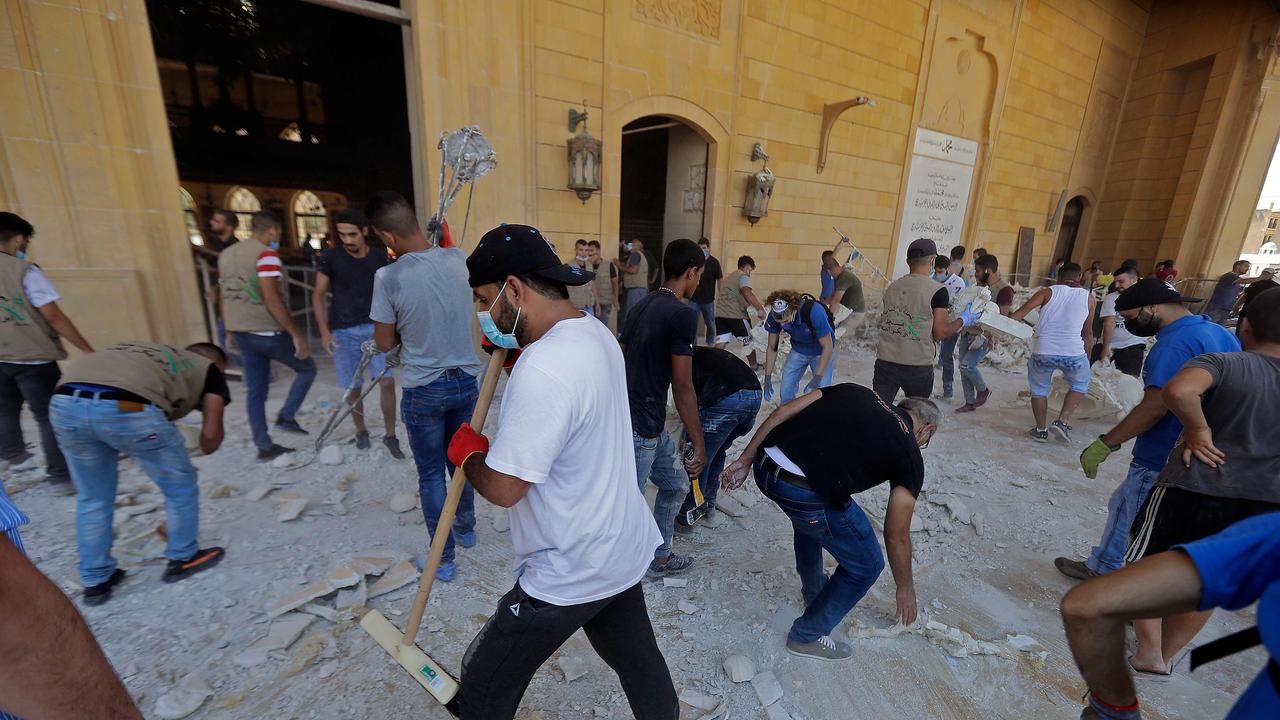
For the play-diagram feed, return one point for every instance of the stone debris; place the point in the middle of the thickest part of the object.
(290, 508)
(397, 577)
(674, 582)
(572, 665)
(1025, 643)
(222, 491)
(955, 641)
(372, 563)
(917, 523)
(699, 700)
(330, 455)
(340, 577)
(687, 607)
(739, 668)
(767, 688)
(959, 511)
(320, 611)
(353, 597)
(776, 712)
(284, 631)
(501, 520)
(403, 502)
(1019, 482)
(259, 491)
(283, 461)
(185, 698)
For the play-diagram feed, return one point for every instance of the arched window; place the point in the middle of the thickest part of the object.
(244, 204)
(191, 216)
(310, 220)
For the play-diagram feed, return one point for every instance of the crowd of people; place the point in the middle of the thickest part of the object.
(584, 423)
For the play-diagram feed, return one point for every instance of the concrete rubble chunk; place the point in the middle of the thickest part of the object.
(776, 712)
(572, 665)
(284, 631)
(739, 668)
(397, 577)
(340, 577)
(501, 521)
(185, 698)
(290, 509)
(258, 492)
(767, 688)
(959, 511)
(699, 700)
(917, 523)
(371, 563)
(321, 611)
(222, 491)
(674, 582)
(1025, 643)
(403, 502)
(331, 455)
(687, 607)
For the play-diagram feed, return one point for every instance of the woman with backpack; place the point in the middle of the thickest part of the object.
(810, 325)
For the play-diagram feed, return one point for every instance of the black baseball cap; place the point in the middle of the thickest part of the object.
(519, 250)
(920, 248)
(1150, 290)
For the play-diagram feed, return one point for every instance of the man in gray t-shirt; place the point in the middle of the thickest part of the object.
(423, 302)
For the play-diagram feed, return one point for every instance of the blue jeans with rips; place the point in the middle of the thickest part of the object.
(656, 460)
(722, 424)
(257, 352)
(432, 414)
(947, 358)
(844, 532)
(1108, 554)
(92, 434)
(793, 372)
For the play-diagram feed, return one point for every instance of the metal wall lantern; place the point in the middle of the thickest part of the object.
(759, 188)
(584, 157)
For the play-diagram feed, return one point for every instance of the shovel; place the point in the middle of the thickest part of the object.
(433, 678)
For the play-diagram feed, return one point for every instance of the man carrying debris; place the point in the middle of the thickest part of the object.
(945, 271)
(1063, 331)
(562, 461)
(349, 270)
(253, 291)
(657, 342)
(1118, 344)
(123, 400)
(1180, 336)
(915, 317)
(31, 330)
(733, 322)
(974, 342)
(796, 464)
(812, 343)
(422, 302)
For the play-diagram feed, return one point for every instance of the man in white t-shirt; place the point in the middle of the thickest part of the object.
(1119, 345)
(562, 461)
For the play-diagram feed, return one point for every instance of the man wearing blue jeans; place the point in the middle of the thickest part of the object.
(812, 343)
(423, 303)
(123, 399)
(810, 457)
(943, 273)
(1156, 309)
(728, 402)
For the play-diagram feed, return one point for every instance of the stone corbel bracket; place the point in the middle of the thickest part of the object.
(831, 113)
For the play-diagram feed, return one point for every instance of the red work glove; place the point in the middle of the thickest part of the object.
(488, 347)
(465, 443)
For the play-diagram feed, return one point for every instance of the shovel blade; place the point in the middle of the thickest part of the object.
(422, 668)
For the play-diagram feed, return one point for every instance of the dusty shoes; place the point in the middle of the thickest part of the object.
(824, 648)
(671, 565)
(100, 593)
(1074, 569)
(201, 561)
(1062, 430)
(393, 447)
(362, 440)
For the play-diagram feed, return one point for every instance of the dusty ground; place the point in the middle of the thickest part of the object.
(1031, 503)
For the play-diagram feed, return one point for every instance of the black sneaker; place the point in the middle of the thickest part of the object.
(362, 440)
(202, 560)
(273, 452)
(393, 447)
(100, 593)
(1062, 430)
(1038, 434)
(670, 566)
(290, 426)
(18, 459)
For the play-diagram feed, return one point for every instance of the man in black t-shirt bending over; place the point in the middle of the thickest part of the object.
(810, 457)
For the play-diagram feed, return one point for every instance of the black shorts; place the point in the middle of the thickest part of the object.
(1173, 516)
(736, 327)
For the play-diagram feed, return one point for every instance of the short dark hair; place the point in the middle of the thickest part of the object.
(1130, 262)
(593, 243)
(208, 350)
(826, 254)
(986, 261)
(580, 241)
(1126, 270)
(704, 242)
(941, 262)
(680, 256)
(1070, 271)
(979, 252)
(388, 211)
(228, 217)
(264, 220)
(1264, 316)
(1168, 263)
(957, 252)
(746, 260)
(1238, 263)
(12, 225)
(547, 288)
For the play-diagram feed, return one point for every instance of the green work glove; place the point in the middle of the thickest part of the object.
(1093, 456)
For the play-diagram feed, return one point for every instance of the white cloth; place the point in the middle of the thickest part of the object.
(954, 285)
(1121, 338)
(584, 531)
(775, 454)
(1058, 331)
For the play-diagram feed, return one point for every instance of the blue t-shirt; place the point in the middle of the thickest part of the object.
(828, 284)
(1176, 343)
(1238, 566)
(803, 340)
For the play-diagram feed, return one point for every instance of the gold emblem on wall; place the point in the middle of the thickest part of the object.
(696, 17)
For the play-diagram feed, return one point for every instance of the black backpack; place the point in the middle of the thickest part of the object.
(806, 310)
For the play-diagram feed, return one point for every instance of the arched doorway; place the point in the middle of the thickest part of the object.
(242, 202)
(663, 193)
(1069, 228)
(310, 221)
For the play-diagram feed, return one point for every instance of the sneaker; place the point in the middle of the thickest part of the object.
(290, 426)
(682, 527)
(201, 561)
(18, 459)
(672, 565)
(446, 572)
(393, 447)
(1062, 430)
(273, 452)
(100, 593)
(1038, 434)
(465, 539)
(966, 408)
(981, 400)
(824, 648)
(362, 440)
(1074, 569)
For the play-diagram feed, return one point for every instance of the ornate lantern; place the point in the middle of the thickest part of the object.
(584, 157)
(759, 188)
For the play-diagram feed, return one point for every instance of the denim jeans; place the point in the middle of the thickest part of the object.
(972, 349)
(34, 385)
(722, 423)
(257, 352)
(1075, 370)
(93, 433)
(432, 414)
(793, 371)
(708, 312)
(630, 296)
(947, 358)
(1108, 554)
(656, 461)
(605, 312)
(844, 532)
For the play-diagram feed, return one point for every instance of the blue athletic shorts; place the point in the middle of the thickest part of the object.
(1075, 370)
(346, 355)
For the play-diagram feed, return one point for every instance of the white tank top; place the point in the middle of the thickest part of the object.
(1061, 320)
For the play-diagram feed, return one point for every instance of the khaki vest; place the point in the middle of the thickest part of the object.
(242, 306)
(730, 305)
(580, 295)
(906, 325)
(173, 380)
(24, 333)
(639, 278)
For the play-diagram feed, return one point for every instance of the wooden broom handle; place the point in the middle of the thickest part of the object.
(419, 607)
